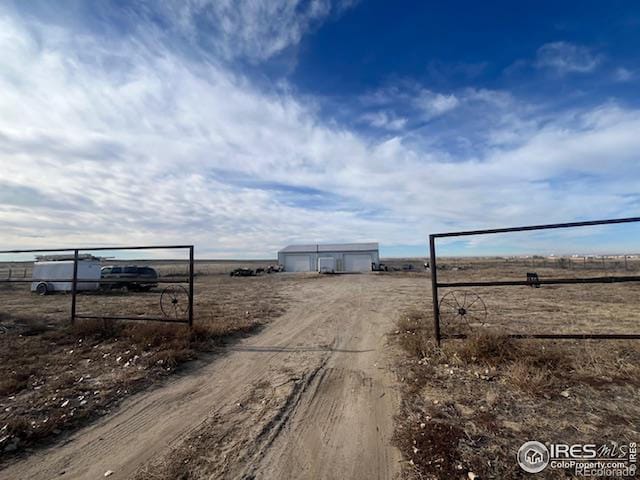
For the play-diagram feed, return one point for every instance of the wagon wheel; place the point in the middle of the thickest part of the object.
(461, 311)
(174, 302)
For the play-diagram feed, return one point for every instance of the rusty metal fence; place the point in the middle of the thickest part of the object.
(185, 315)
(531, 281)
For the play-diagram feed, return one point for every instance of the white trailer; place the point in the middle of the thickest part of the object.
(47, 275)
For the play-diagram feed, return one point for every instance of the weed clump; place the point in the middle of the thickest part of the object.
(432, 448)
(96, 329)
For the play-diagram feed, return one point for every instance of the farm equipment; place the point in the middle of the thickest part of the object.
(533, 280)
(242, 272)
(248, 272)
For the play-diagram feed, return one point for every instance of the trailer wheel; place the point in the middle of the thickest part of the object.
(42, 289)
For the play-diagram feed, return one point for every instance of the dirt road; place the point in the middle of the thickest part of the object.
(311, 396)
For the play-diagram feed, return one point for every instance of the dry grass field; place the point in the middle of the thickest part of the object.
(469, 405)
(323, 366)
(55, 377)
(597, 308)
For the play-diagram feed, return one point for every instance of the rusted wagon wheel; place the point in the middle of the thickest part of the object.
(462, 311)
(174, 302)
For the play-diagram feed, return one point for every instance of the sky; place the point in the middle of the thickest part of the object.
(243, 126)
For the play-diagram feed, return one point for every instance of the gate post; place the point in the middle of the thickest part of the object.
(191, 261)
(74, 286)
(434, 287)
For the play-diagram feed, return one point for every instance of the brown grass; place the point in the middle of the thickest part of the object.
(480, 398)
(97, 329)
(56, 378)
(414, 334)
(487, 348)
(15, 382)
(431, 451)
(528, 378)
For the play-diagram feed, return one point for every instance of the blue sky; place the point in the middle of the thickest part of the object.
(242, 126)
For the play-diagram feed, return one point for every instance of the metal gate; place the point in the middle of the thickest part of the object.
(530, 281)
(170, 298)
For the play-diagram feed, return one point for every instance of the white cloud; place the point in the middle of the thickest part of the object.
(564, 57)
(622, 74)
(161, 149)
(411, 98)
(411, 101)
(385, 120)
(436, 103)
(495, 98)
(252, 29)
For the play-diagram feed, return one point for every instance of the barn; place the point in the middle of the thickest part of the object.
(339, 257)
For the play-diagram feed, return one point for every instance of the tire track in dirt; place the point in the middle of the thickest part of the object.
(342, 427)
(327, 411)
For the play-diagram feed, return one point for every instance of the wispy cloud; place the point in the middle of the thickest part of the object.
(385, 120)
(564, 57)
(436, 103)
(409, 98)
(622, 74)
(255, 30)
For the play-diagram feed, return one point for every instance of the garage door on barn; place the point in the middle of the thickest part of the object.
(345, 257)
(297, 263)
(357, 262)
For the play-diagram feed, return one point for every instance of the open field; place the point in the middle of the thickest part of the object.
(315, 391)
(468, 406)
(56, 377)
(581, 308)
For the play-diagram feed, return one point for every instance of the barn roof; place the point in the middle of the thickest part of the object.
(331, 247)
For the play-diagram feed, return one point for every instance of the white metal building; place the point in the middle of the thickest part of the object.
(343, 257)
